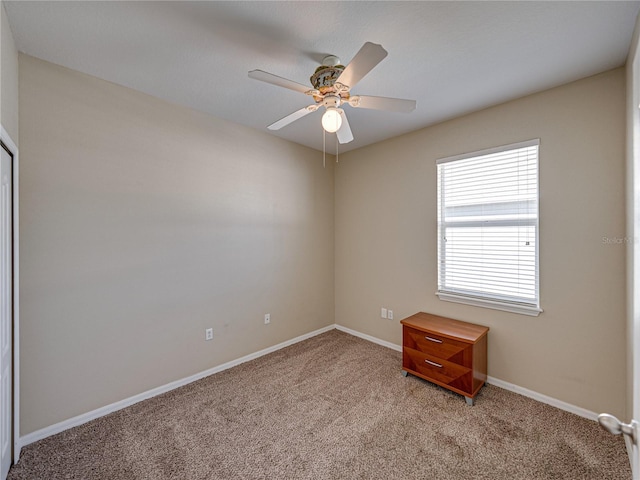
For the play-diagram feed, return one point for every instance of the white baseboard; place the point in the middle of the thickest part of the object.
(355, 333)
(102, 411)
(554, 402)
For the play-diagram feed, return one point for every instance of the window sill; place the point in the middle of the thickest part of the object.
(478, 302)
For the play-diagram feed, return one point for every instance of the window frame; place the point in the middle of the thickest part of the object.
(489, 300)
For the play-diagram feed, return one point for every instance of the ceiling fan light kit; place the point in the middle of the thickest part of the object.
(332, 83)
(331, 120)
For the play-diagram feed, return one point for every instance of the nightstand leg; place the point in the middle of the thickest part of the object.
(404, 373)
(469, 401)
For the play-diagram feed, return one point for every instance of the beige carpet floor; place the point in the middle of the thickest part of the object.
(331, 407)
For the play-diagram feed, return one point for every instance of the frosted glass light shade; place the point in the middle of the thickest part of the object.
(331, 120)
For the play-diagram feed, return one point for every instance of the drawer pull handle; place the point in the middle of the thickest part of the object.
(433, 340)
(433, 363)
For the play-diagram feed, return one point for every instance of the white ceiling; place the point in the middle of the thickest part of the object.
(452, 57)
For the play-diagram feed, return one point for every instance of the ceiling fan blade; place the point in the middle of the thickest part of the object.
(279, 81)
(344, 133)
(383, 103)
(292, 117)
(370, 55)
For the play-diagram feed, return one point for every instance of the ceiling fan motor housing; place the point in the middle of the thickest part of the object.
(324, 77)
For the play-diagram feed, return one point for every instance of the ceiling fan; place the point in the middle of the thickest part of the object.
(332, 84)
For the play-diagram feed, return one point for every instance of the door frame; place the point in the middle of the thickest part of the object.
(633, 131)
(633, 249)
(7, 140)
(633, 239)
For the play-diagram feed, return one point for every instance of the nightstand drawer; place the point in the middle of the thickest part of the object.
(438, 346)
(441, 371)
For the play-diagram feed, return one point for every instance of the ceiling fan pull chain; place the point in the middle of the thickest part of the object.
(337, 149)
(324, 149)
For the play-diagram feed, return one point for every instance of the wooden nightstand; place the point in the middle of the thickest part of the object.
(447, 352)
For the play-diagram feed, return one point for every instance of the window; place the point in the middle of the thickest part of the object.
(488, 228)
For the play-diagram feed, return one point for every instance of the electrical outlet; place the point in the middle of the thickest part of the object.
(208, 334)
(383, 312)
(390, 314)
(267, 318)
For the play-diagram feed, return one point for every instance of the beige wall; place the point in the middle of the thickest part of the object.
(143, 223)
(385, 214)
(8, 78)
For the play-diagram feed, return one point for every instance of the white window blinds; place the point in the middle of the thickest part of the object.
(488, 228)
